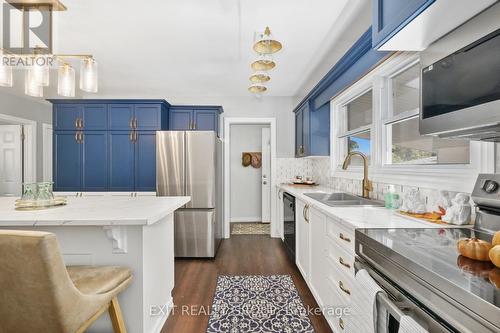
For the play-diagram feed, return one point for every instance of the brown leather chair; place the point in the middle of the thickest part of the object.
(39, 294)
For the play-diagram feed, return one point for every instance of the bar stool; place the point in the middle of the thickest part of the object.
(39, 294)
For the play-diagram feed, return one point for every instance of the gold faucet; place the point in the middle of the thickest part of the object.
(367, 185)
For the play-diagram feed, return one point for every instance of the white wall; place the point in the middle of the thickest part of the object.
(38, 110)
(246, 189)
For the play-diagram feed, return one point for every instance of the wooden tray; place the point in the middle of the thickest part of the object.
(424, 217)
(30, 205)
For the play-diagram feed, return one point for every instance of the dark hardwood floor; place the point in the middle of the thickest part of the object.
(195, 280)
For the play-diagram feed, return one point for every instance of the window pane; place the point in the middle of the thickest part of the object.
(409, 147)
(405, 90)
(359, 111)
(359, 142)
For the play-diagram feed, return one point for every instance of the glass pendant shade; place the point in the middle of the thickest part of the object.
(263, 64)
(31, 87)
(66, 81)
(259, 77)
(266, 44)
(257, 88)
(88, 75)
(5, 76)
(40, 71)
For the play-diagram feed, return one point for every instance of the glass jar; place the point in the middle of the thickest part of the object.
(29, 192)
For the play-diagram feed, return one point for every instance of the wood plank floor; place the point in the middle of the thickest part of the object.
(195, 280)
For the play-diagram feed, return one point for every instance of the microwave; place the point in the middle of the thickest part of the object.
(461, 93)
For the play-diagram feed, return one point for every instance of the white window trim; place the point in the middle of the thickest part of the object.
(450, 177)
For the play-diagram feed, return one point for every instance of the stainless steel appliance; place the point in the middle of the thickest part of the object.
(189, 163)
(289, 225)
(461, 93)
(429, 278)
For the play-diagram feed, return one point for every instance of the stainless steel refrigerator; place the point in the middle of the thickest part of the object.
(189, 163)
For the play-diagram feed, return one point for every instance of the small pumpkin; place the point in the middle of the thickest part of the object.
(474, 248)
(496, 239)
(495, 277)
(474, 267)
(495, 255)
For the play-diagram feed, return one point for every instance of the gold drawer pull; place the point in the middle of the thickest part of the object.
(344, 289)
(343, 263)
(341, 323)
(347, 239)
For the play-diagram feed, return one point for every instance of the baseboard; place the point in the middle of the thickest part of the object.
(163, 319)
(246, 219)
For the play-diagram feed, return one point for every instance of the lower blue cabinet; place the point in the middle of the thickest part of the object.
(121, 161)
(94, 161)
(145, 161)
(67, 161)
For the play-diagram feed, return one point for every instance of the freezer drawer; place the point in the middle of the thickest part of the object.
(195, 233)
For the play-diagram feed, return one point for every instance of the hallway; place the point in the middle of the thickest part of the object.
(195, 280)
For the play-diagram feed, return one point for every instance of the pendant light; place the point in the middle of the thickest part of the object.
(66, 81)
(266, 44)
(40, 71)
(260, 77)
(265, 62)
(5, 73)
(257, 88)
(88, 75)
(31, 87)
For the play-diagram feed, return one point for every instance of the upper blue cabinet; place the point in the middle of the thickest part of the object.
(312, 131)
(412, 25)
(79, 116)
(194, 118)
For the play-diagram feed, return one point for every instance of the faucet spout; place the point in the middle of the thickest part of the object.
(367, 184)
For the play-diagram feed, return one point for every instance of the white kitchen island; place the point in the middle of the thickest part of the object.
(137, 232)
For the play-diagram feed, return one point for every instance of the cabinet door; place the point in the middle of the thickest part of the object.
(306, 131)
(298, 133)
(302, 238)
(148, 116)
(95, 161)
(121, 161)
(120, 116)
(66, 115)
(180, 119)
(145, 161)
(95, 117)
(318, 279)
(206, 120)
(67, 162)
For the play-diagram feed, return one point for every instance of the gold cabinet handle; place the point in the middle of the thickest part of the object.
(341, 323)
(81, 137)
(135, 123)
(344, 289)
(76, 122)
(81, 123)
(306, 216)
(347, 239)
(77, 138)
(131, 123)
(131, 136)
(136, 136)
(343, 263)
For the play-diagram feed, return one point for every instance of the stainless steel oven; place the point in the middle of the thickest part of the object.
(289, 225)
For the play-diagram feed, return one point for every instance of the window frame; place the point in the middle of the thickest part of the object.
(453, 177)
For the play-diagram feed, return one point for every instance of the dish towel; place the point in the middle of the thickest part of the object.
(408, 325)
(364, 314)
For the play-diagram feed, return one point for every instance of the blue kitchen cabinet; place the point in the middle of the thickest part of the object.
(194, 118)
(66, 117)
(139, 116)
(94, 161)
(145, 161)
(67, 161)
(121, 116)
(94, 117)
(312, 131)
(302, 131)
(391, 16)
(148, 116)
(79, 116)
(121, 161)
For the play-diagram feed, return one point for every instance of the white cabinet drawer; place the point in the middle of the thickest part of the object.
(339, 258)
(340, 234)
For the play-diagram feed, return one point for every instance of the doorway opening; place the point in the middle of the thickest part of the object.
(250, 152)
(17, 154)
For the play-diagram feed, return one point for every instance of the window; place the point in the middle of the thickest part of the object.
(358, 118)
(405, 145)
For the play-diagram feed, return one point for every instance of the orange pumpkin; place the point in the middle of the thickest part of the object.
(474, 248)
(495, 255)
(496, 239)
(477, 268)
(495, 277)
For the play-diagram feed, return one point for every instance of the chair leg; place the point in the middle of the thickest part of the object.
(115, 313)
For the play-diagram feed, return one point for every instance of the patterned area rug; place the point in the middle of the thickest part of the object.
(256, 303)
(250, 228)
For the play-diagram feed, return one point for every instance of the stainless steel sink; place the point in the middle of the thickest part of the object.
(343, 200)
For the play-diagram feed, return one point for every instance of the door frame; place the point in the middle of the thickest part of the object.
(47, 135)
(227, 169)
(29, 145)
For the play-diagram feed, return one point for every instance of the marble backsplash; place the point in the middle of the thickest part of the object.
(288, 168)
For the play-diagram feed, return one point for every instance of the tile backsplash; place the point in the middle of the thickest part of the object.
(288, 168)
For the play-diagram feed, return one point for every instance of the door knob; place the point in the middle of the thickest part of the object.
(264, 182)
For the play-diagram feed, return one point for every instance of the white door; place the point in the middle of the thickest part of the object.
(10, 160)
(266, 175)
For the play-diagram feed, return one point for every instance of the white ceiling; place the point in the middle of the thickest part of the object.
(161, 48)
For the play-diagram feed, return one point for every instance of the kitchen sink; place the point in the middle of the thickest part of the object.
(343, 200)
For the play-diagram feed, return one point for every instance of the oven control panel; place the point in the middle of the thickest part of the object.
(487, 190)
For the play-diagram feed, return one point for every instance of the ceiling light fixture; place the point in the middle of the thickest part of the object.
(264, 63)
(260, 77)
(40, 71)
(5, 73)
(257, 88)
(66, 80)
(266, 44)
(88, 75)
(31, 87)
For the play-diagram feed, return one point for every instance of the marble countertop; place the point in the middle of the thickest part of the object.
(361, 217)
(94, 211)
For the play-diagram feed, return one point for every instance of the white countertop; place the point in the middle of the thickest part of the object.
(94, 211)
(361, 217)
